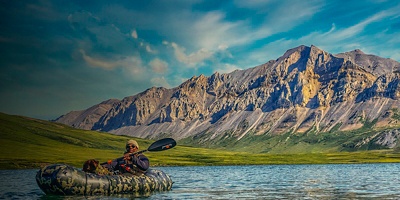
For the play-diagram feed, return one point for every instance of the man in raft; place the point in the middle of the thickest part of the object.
(134, 163)
(131, 164)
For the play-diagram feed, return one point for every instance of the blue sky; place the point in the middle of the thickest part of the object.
(59, 56)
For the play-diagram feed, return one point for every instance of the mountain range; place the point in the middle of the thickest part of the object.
(306, 93)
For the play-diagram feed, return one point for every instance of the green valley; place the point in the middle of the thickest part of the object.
(32, 143)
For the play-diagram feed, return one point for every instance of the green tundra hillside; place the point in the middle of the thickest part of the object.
(32, 143)
(27, 142)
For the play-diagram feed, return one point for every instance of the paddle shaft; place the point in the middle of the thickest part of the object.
(134, 153)
(160, 145)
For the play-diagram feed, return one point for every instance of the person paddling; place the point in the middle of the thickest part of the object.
(134, 163)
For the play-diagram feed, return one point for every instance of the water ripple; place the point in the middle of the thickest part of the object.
(358, 181)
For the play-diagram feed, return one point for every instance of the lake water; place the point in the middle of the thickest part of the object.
(347, 181)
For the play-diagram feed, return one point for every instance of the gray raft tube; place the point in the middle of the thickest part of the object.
(60, 179)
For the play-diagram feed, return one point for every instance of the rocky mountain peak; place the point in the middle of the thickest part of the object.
(371, 63)
(358, 51)
(304, 50)
(305, 89)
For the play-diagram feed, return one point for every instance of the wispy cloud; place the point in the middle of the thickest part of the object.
(208, 34)
(133, 64)
(97, 62)
(158, 66)
(202, 34)
(356, 29)
(192, 59)
(148, 48)
(134, 34)
(211, 31)
(341, 39)
(160, 81)
(226, 68)
(274, 18)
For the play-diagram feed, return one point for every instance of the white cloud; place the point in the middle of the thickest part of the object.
(337, 40)
(212, 30)
(133, 64)
(226, 68)
(358, 28)
(97, 62)
(222, 47)
(149, 49)
(192, 59)
(135, 67)
(158, 66)
(352, 32)
(134, 34)
(203, 34)
(160, 81)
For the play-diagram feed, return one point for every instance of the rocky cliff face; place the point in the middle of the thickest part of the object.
(305, 89)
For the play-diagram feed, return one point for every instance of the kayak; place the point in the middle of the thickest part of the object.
(61, 179)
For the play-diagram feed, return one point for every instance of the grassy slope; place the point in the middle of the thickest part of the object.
(293, 143)
(31, 143)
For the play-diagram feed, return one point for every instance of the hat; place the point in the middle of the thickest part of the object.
(133, 142)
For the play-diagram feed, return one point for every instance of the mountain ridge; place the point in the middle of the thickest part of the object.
(306, 89)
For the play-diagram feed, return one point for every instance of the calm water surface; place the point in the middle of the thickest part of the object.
(355, 181)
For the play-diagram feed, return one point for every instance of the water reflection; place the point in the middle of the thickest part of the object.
(294, 182)
(356, 181)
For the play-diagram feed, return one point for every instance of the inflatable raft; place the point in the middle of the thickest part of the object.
(63, 179)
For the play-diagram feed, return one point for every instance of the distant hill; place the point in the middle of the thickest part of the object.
(30, 143)
(306, 100)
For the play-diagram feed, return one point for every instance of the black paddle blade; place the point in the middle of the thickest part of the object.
(163, 144)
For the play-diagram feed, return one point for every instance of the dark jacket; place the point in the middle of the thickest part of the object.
(138, 164)
(140, 161)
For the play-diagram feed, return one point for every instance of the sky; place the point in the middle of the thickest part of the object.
(59, 56)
